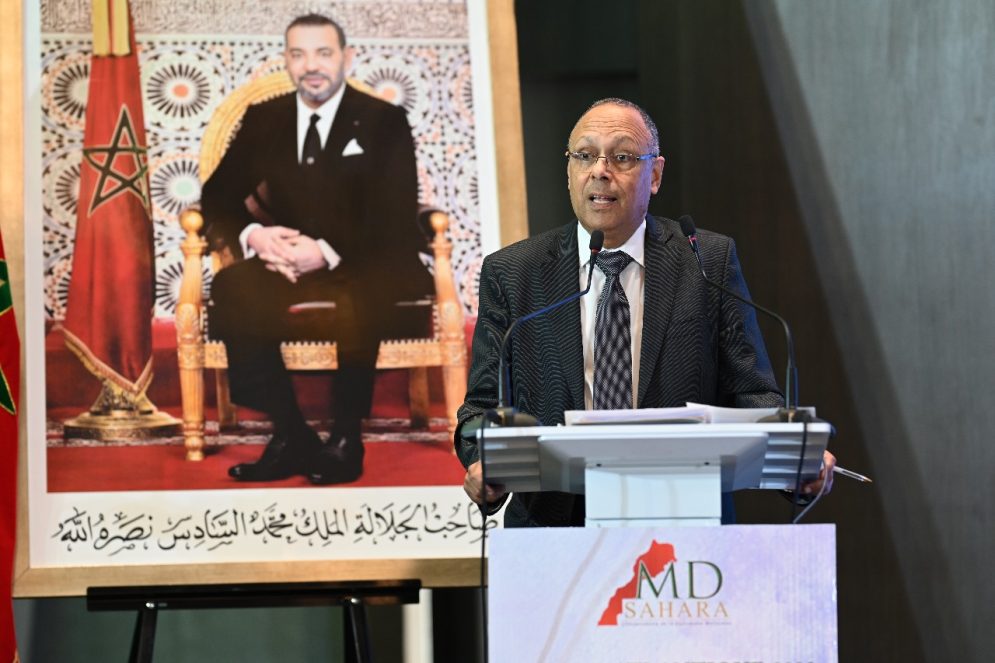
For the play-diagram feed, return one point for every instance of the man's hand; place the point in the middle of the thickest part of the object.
(275, 246)
(825, 476)
(306, 255)
(473, 484)
(286, 251)
(284, 268)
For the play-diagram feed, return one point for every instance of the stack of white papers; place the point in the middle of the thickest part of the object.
(692, 413)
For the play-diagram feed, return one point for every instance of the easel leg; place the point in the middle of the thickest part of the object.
(357, 642)
(143, 641)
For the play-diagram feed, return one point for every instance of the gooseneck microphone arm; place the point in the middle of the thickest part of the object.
(597, 242)
(791, 374)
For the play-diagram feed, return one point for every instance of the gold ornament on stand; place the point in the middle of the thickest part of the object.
(121, 415)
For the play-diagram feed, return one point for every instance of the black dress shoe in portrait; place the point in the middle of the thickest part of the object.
(283, 457)
(340, 460)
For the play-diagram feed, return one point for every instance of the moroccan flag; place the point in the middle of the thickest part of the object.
(109, 312)
(10, 383)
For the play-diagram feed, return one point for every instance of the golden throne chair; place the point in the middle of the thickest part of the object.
(444, 347)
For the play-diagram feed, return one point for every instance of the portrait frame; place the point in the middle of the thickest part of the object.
(19, 28)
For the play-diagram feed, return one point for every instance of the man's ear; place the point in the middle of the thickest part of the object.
(657, 174)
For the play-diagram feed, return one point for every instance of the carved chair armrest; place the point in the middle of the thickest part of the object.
(188, 307)
(437, 222)
(448, 307)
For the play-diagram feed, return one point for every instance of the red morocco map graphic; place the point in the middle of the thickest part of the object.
(655, 560)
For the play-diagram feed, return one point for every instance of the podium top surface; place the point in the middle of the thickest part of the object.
(758, 455)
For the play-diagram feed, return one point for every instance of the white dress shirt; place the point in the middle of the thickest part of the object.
(632, 279)
(326, 115)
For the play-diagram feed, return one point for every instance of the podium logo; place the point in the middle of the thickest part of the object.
(662, 590)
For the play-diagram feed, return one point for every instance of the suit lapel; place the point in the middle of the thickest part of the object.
(284, 135)
(564, 323)
(345, 126)
(662, 269)
(281, 171)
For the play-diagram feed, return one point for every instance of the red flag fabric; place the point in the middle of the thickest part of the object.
(10, 384)
(109, 310)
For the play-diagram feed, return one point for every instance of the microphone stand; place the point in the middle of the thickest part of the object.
(790, 413)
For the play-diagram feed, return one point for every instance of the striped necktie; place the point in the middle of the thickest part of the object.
(612, 337)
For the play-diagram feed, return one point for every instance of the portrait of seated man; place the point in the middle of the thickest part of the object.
(317, 194)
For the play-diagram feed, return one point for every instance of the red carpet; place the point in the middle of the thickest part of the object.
(396, 455)
(163, 467)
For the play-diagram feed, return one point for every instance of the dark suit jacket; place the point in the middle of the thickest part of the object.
(365, 205)
(697, 345)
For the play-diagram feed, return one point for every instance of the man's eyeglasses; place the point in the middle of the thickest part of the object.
(617, 161)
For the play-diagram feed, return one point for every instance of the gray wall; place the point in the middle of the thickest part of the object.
(885, 111)
(849, 148)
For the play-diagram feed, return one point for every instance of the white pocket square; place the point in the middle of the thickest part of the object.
(352, 148)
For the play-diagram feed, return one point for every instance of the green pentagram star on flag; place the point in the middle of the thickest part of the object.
(6, 398)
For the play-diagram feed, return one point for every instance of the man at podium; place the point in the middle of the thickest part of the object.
(649, 333)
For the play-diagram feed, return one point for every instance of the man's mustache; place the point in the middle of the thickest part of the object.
(316, 73)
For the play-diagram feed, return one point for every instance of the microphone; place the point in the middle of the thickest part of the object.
(790, 412)
(687, 227)
(503, 415)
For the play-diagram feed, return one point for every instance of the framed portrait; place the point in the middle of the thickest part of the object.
(99, 510)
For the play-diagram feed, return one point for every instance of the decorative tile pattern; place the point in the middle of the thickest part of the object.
(363, 19)
(184, 80)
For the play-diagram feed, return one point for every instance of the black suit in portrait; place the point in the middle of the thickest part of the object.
(697, 345)
(361, 197)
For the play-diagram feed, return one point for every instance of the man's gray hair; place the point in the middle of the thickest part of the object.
(647, 120)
